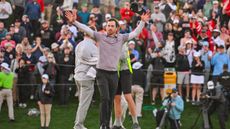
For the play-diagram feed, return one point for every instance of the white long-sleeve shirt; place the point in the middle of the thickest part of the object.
(8, 10)
(68, 5)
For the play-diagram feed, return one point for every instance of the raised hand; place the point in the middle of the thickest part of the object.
(145, 16)
(70, 16)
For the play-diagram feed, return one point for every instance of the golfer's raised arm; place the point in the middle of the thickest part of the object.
(137, 31)
(72, 18)
(84, 28)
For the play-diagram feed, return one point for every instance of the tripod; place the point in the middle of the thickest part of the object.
(204, 111)
(166, 111)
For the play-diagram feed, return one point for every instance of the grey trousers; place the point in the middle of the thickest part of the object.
(85, 98)
(148, 78)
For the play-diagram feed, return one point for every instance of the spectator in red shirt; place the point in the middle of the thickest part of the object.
(41, 3)
(8, 40)
(226, 12)
(126, 13)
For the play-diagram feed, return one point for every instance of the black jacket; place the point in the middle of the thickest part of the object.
(52, 70)
(182, 63)
(217, 94)
(224, 80)
(158, 65)
(42, 96)
(138, 77)
(23, 74)
(197, 70)
(66, 68)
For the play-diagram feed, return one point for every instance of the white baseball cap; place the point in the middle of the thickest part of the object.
(45, 76)
(108, 16)
(131, 42)
(121, 22)
(210, 85)
(5, 66)
(54, 45)
(137, 65)
(196, 54)
(216, 30)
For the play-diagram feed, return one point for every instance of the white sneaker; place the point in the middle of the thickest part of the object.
(31, 97)
(20, 105)
(155, 112)
(24, 105)
(187, 100)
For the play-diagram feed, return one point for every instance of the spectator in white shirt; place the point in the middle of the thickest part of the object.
(5, 11)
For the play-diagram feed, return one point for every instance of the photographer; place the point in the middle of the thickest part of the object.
(215, 93)
(175, 105)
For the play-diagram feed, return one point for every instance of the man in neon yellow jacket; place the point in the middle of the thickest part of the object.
(6, 85)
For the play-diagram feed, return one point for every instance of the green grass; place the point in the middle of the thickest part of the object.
(63, 118)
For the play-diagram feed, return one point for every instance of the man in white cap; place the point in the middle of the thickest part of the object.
(183, 67)
(6, 81)
(138, 82)
(216, 38)
(132, 50)
(123, 27)
(107, 17)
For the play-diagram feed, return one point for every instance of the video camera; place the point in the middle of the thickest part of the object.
(168, 92)
(210, 87)
(136, 8)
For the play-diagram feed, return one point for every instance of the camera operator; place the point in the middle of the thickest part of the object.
(175, 105)
(215, 94)
(225, 82)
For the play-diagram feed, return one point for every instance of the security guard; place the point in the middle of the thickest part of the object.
(224, 80)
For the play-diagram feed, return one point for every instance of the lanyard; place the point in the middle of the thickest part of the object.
(128, 63)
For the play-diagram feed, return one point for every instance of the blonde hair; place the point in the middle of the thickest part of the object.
(18, 47)
(51, 55)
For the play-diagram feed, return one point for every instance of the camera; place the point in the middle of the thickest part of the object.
(136, 8)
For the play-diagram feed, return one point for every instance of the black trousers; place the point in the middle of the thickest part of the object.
(18, 12)
(222, 114)
(35, 26)
(64, 92)
(23, 92)
(107, 84)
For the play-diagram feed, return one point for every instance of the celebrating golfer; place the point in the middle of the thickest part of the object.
(110, 46)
